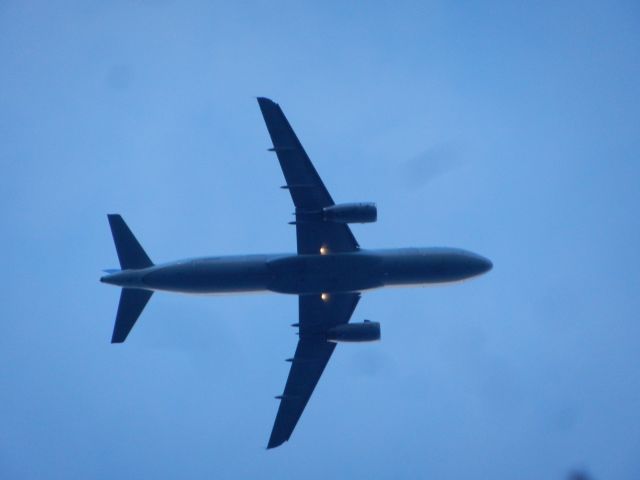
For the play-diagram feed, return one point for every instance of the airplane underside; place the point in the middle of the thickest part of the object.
(327, 273)
(307, 274)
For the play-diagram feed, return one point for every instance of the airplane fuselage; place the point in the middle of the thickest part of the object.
(307, 274)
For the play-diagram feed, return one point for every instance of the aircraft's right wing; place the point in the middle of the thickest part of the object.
(312, 355)
(307, 191)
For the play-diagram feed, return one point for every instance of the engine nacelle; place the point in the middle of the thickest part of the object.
(351, 213)
(355, 332)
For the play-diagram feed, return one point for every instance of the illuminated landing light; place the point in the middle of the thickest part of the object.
(324, 250)
(325, 297)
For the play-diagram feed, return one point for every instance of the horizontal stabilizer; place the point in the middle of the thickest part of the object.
(130, 252)
(132, 302)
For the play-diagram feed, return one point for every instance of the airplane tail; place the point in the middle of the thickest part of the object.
(132, 302)
(130, 253)
(132, 257)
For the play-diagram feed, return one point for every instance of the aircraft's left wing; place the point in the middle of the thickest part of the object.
(316, 316)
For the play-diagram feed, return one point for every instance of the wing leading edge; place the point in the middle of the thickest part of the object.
(307, 191)
(312, 354)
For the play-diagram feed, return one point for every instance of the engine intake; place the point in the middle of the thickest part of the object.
(355, 332)
(351, 213)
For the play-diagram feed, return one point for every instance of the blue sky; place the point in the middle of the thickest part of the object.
(507, 128)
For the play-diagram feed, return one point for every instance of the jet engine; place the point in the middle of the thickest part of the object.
(355, 332)
(351, 213)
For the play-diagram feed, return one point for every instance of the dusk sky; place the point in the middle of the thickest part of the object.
(510, 129)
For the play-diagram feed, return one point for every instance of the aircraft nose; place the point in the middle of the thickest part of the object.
(482, 265)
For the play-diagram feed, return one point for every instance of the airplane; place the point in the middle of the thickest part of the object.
(328, 273)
